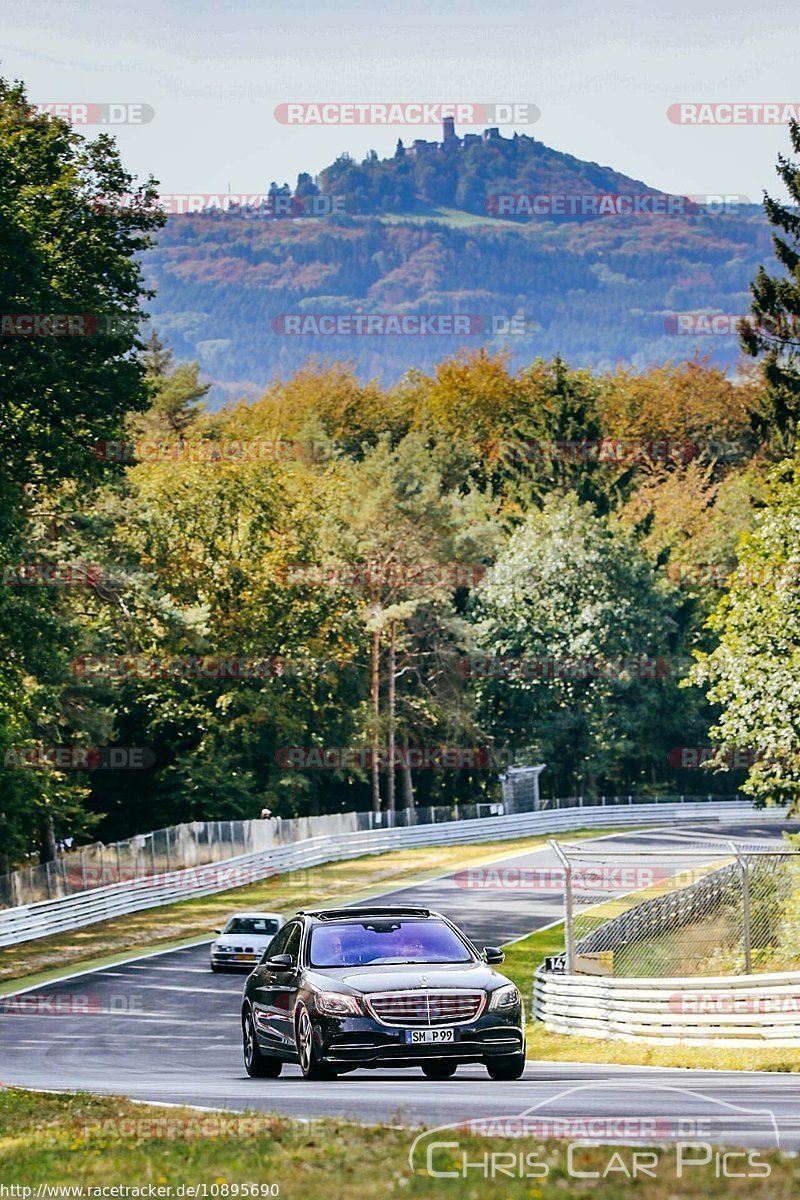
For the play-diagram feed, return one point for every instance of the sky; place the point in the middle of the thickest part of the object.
(602, 77)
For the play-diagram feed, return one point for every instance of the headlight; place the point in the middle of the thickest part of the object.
(338, 1004)
(504, 997)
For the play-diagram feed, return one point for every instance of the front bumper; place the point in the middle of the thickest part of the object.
(362, 1041)
(234, 962)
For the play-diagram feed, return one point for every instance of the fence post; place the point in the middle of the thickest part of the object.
(746, 934)
(569, 948)
(748, 965)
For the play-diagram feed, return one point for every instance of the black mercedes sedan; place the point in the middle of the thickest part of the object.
(380, 987)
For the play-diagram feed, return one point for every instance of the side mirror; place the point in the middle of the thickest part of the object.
(217, 931)
(493, 955)
(280, 962)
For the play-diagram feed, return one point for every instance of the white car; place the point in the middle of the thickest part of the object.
(243, 939)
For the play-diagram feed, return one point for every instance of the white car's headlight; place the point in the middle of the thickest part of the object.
(338, 1004)
(504, 997)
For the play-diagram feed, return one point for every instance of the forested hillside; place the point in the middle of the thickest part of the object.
(420, 234)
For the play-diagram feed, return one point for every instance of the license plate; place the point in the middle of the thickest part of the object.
(245, 957)
(416, 1036)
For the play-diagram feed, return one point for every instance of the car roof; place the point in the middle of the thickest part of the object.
(272, 916)
(367, 910)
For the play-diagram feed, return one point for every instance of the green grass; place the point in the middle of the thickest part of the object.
(92, 1141)
(522, 960)
(680, 951)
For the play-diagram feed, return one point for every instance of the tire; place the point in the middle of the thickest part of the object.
(257, 1064)
(506, 1067)
(440, 1068)
(217, 970)
(310, 1065)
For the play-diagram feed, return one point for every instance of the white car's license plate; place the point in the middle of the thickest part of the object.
(415, 1036)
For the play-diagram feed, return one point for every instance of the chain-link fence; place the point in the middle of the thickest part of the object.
(650, 907)
(520, 793)
(190, 845)
(197, 843)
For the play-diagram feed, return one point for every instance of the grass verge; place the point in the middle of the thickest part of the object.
(96, 1142)
(523, 958)
(179, 923)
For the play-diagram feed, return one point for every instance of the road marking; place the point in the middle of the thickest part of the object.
(173, 987)
(150, 1037)
(35, 987)
(182, 970)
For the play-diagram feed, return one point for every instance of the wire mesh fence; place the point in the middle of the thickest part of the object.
(198, 843)
(193, 844)
(679, 904)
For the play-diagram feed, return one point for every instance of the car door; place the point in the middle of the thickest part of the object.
(276, 989)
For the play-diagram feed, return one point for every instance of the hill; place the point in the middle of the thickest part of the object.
(543, 252)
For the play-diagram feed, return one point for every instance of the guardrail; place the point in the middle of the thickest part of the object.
(26, 922)
(745, 1010)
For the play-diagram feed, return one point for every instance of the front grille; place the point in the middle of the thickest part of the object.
(426, 1008)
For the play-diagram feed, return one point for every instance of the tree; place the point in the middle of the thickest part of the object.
(195, 556)
(773, 330)
(753, 672)
(405, 536)
(571, 620)
(157, 358)
(176, 395)
(67, 249)
(70, 294)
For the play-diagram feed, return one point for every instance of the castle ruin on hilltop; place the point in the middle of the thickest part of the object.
(450, 142)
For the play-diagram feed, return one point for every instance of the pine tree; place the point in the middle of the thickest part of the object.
(773, 330)
(157, 358)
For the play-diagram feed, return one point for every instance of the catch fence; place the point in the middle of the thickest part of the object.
(708, 907)
(199, 843)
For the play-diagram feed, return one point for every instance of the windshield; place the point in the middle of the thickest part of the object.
(356, 943)
(266, 926)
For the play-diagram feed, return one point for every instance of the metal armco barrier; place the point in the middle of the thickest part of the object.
(27, 922)
(758, 1010)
